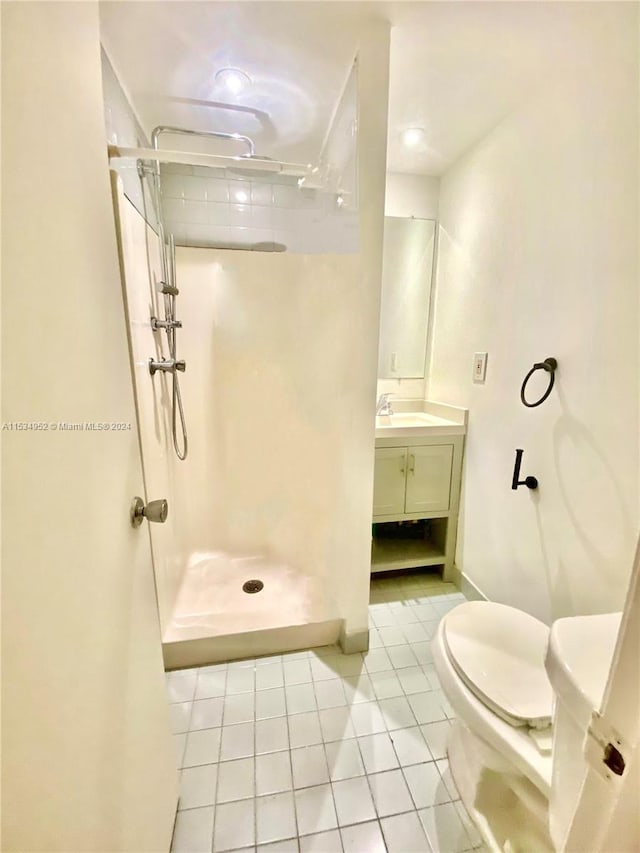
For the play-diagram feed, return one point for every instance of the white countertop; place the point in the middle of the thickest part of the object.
(421, 417)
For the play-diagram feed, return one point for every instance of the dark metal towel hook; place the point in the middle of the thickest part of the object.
(529, 482)
(550, 365)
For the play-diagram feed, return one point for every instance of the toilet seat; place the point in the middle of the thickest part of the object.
(498, 652)
(511, 743)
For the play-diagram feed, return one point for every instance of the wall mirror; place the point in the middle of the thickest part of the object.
(407, 272)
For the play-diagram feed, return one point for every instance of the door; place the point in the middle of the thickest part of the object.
(606, 816)
(87, 759)
(429, 478)
(389, 480)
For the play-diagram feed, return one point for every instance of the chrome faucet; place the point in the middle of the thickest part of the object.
(383, 406)
(169, 365)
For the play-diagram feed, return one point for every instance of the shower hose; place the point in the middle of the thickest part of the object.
(176, 400)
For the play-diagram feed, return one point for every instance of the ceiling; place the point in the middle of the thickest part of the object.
(298, 57)
(457, 68)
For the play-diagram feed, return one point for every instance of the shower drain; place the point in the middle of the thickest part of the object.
(252, 586)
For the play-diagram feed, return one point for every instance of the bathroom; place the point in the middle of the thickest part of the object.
(506, 137)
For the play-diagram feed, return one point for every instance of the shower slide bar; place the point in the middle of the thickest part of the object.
(216, 161)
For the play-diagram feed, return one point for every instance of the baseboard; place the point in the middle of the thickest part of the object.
(352, 643)
(470, 591)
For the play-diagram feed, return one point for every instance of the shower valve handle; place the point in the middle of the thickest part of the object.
(169, 365)
(165, 324)
(167, 289)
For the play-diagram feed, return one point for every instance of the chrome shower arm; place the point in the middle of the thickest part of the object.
(236, 137)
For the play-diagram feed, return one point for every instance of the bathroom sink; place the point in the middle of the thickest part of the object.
(414, 423)
(404, 419)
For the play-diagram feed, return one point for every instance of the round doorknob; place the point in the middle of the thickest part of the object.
(156, 511)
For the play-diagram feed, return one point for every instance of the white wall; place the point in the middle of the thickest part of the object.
(412, 195)
(406, 196)
(121, 123)
(87, 759)
(373, 89)
(538, 257)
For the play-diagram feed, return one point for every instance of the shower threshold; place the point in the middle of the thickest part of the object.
(203, 651)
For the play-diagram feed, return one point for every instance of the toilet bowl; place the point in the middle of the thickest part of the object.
(499, 671)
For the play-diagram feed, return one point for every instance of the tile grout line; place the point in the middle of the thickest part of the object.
(219, 753)
(254, 759)
(293, 790)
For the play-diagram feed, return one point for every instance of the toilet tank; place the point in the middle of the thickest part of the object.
(578, 661)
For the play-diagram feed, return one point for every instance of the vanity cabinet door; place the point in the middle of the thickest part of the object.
(429, 478)
(389, 480)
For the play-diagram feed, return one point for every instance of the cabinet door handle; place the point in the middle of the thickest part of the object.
(412, 463)
(402, 467)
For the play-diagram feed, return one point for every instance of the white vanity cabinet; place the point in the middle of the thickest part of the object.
(416, 478)
(389, 480)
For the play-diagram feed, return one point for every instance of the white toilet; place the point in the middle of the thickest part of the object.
(515, 754)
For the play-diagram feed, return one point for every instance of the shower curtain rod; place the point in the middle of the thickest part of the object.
(217, 161)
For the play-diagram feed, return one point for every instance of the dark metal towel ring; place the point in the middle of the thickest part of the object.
(550, 365)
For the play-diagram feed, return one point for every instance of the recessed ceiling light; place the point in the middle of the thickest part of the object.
(413, 137)
(233, 79)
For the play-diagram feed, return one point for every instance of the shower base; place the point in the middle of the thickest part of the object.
(215, 619)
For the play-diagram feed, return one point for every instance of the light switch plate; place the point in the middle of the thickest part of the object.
(479, 366)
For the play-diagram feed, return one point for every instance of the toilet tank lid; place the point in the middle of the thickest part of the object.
(498, 651)
(579, 659)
